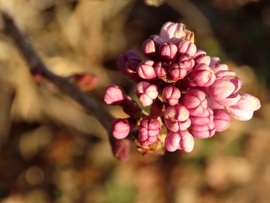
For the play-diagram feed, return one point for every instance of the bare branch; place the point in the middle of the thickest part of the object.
(37, 66)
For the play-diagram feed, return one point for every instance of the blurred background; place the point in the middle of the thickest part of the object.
(52, 151)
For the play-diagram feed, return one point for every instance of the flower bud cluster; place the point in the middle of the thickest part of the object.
(190, 94)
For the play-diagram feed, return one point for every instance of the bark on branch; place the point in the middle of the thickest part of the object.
(37, 66)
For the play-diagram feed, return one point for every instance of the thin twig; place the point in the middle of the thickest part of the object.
(37, 66)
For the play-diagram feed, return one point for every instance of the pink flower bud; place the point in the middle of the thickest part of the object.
(222, 71)
(195, 101)
(127, 56)
(203, 59)
(121, 127)
(85, 81)
(213, 104)
(146, 92)
(199, 53)
(172, 141)
(114, 95)
(203, 131)
(182, 140)
(146, 70)
(178, 71)
(204, 118)
(230, 100)
(221, 89)
(221, 120)
(161, 70)
(202, 76)
(168, 50)
(244, 108)
(223, 74)
(237, 83)
(151, 45)
(177, 118)
(131, 69)
(174, 32)
(148, 129)
(186, 47)
(186, 62)
(219, 67)
(127, 64)
(214, 62)
(120, 149)
(171, 95)
(187, 141)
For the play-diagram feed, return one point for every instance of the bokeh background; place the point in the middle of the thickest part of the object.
(52, 151)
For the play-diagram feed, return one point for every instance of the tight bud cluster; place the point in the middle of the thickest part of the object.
(190, 94)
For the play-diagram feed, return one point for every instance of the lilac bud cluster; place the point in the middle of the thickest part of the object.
(190, 94)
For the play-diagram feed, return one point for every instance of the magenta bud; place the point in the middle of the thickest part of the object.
(121, 127)
(131, 69)
(172, 141)
(179, 70)
(195, 101)
(185, 62)
(220, 67)
(204, 118)
(221, 120)
(85, 81)
(202, 76)
(151, 45)
(199, 53)
(176, 72)
(148, 129)
(187, 141)
(120, 149)
(186, 47)
(146, 92)
(214, 62)
(177, 118)
(127, 56)
(171, 95)
(223, 74)
(168, 50)
(127, 64)
(203, 59)
(221, 89)
(114, 95)
(181, 140)
(203, 131)
(161, 70)
(230, 100)
(244, 108)
(237, 84)
(173, 32)
(213, 104)
(146, 70)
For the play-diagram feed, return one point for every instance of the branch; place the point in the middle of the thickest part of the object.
(37, 66)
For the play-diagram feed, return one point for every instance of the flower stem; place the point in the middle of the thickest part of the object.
(37, 66)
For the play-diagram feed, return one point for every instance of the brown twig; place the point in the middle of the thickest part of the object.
(37, 66)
